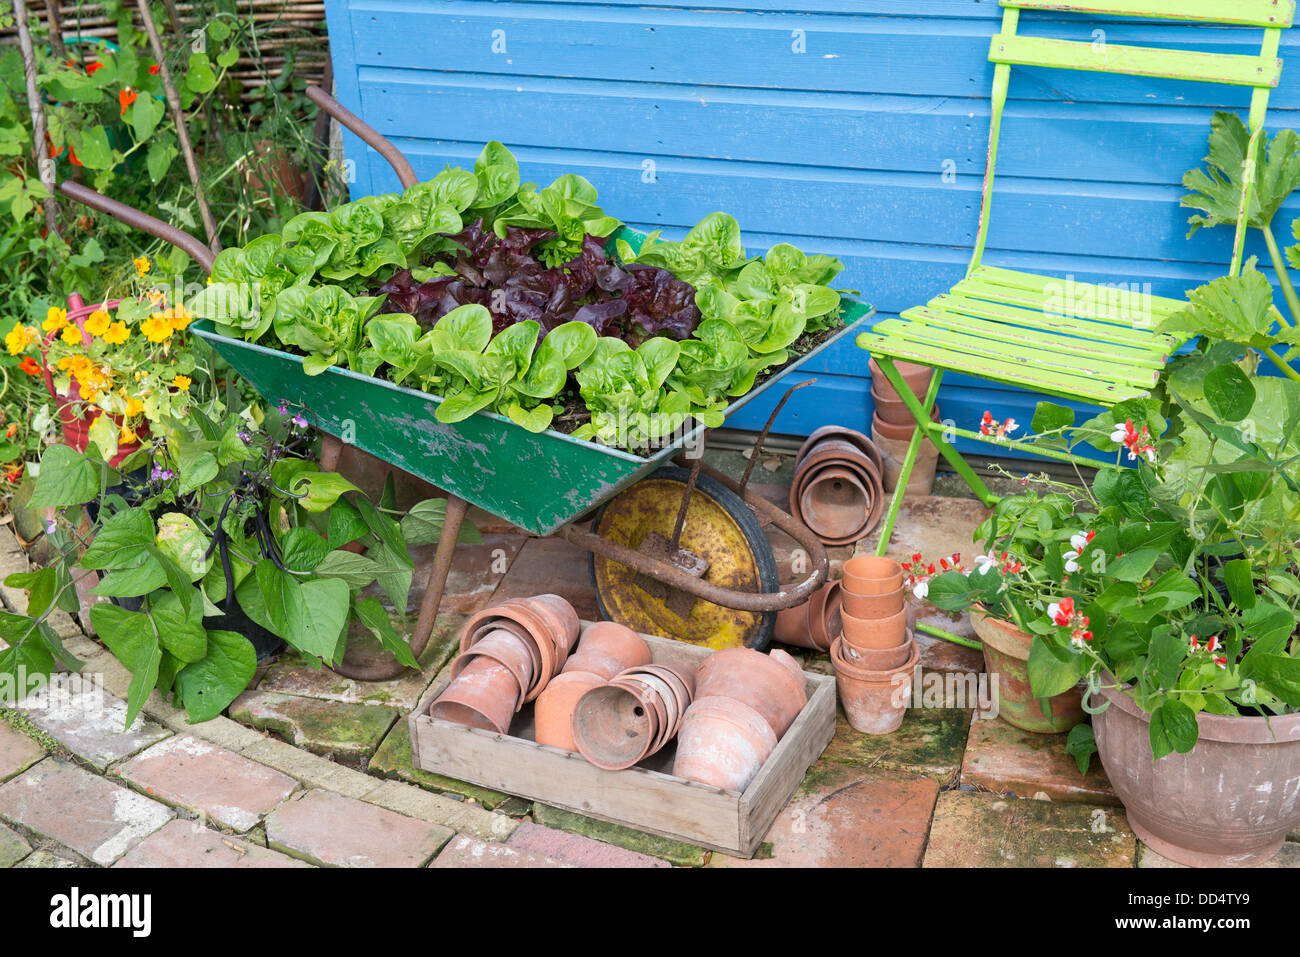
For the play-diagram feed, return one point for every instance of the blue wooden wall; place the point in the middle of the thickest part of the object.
(852, 128)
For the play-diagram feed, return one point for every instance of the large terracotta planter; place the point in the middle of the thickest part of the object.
(1230, 801)
(1006, 656)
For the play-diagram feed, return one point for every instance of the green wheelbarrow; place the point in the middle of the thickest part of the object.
(677, 548)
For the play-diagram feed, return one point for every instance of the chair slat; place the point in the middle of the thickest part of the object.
(1047, 360)
(1030, 338)
(1161, 306)
(1246, 13)
(1026, 308)
(1010, 373)
(1232, 68)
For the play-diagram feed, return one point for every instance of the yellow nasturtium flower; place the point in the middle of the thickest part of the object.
(71, 335)
(19, 338)
(126, 435)
(134, 406)
(157, 328)
(98, 322)
(141, 265)
(55, 319)
(178, 317)
(117, 333)
(181, 382)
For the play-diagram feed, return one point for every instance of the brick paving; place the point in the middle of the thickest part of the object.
(311, 769)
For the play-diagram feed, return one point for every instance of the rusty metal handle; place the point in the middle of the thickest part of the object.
(727, 597)
(141, 221)
(368, 134)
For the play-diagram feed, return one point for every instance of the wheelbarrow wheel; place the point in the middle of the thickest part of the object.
(719, 528)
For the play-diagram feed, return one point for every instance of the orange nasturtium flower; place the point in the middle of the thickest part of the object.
(55, 319)
(157, 328)
(30, 366)
(181, 382)
(117, 333)
(19, 338)
(178, 317)
(98, 322)
(126, 96)
(141, 265)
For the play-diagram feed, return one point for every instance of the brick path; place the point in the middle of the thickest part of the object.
(311, 769)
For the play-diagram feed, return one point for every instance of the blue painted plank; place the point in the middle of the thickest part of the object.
(840, 53)
(933, 135)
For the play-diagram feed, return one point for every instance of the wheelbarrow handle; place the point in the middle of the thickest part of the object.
(366, 132)
(141, 221)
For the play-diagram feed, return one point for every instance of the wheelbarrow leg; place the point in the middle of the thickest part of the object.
(331, 450)
(437, 583)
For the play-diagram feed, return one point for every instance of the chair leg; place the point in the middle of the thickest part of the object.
(920, 411)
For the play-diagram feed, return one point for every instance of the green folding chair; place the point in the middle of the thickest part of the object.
(1014, 327)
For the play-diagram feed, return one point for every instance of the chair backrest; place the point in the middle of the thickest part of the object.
(1260, 72)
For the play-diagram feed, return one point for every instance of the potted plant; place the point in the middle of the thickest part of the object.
(230, 520)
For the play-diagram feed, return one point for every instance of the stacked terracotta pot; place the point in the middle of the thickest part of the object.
(605, 649)
(813, 624)
(892, 426)
(508, 654)
(622, 722)
(875, 655)
(745, 701)
(838, 489)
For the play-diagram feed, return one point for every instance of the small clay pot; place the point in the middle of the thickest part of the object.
(874, 701)
(593, 663)
(553, 711)
(504, 647)
(837, 506)
(891, 409)
(722, 742)
(877, 659)
(921, 481)
(888, 632)
(613, 727)
(880, 428)
(792, 626)
(776, 654)
(872, 575)
(679, 678)
(873, 606)
(618, 641)
(805, 626)
(484, 695)
(552, 629)
(842, 433)
(916, 375)
(755, 679)
(564, 615)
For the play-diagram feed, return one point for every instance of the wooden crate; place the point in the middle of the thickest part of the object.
(646, 797)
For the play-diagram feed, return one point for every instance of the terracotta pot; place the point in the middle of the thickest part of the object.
(1006, 658)
(755, 679)
(548, 619)
(827, 626)
(878, 659)
(649, 696)
(680, 678)
(665, 702)
(484, 695)
(1230, 801)
(852, 436)
(873, 606)
(838, 507)
(880, 429)
(872, 575)
(806, 625)
(593, 663)
(553, 711)
(891, 409)
(613, 727)
(916, 376)
(879, 633)
(619, 641)
(874, 701)
(506, 648)
(921, 481)
(722, 742)
(776, 654)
